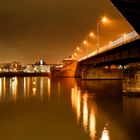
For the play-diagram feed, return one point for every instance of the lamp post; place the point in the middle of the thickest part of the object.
(75, 55)
(80, 53)
(92, 36)
(103, 20)
(85, 43)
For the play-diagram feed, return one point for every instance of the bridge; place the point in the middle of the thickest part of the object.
(110, 61)
(123, 50)
(115, 50)
(118, 59)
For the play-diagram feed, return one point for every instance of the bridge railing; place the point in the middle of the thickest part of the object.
(113, 44)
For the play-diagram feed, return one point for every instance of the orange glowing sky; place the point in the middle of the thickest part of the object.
(31, 30)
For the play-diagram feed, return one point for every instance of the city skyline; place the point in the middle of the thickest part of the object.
(51, 30)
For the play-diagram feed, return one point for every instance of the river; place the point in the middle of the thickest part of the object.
(40, 108)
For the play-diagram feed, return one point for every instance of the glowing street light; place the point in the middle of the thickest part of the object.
(78, 48)
(92, 34)
(75, 54)
(84, 42)
(103, 20)
(80, 51)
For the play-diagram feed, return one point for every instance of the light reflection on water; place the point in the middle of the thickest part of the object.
(67, 109)
(92, 124)
(11, 88)
(85, 113)
(102, 110)
(87, 117)
(105, 134)
(49, 88)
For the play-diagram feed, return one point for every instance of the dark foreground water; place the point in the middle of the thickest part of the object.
(40, 108)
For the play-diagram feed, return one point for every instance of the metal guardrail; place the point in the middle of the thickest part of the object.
(113, 44)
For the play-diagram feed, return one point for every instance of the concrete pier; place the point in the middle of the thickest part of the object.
(131, 82)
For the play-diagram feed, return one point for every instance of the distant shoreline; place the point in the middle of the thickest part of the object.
(22, 74)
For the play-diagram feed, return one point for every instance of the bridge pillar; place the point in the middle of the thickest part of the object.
(131, 82)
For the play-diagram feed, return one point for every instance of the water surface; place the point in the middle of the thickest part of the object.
(40, 108)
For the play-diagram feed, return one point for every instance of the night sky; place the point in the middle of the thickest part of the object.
(31, 30)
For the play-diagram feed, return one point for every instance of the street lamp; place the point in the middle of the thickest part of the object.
(72, 56)
(92, 34)
(78, 48)
(85, 44)
(103, 20)
(80, 52)
(75, 55)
